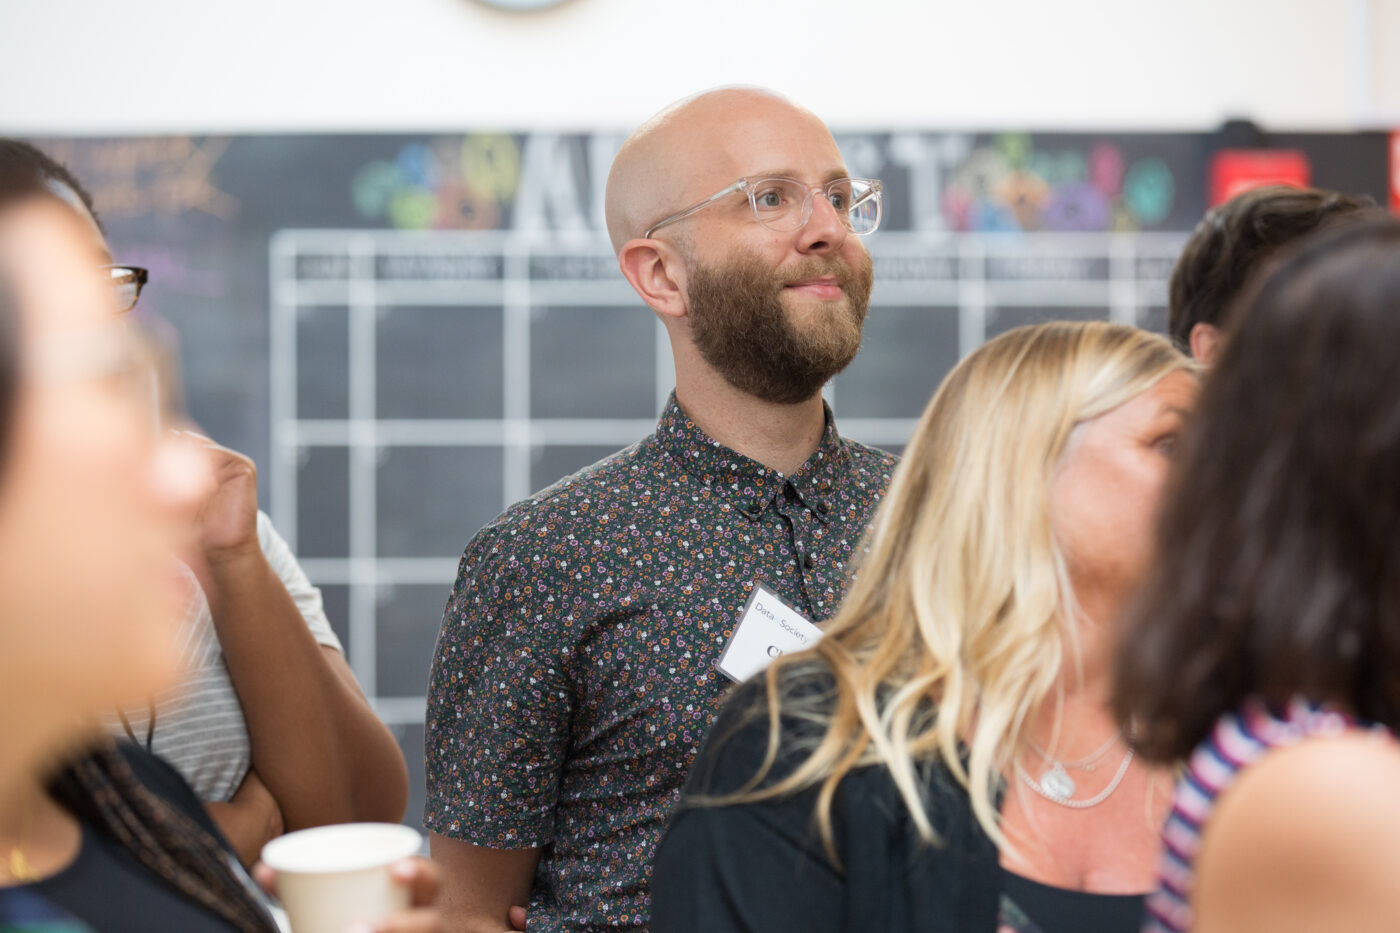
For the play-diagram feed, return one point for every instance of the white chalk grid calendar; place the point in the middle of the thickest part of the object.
(410, 333)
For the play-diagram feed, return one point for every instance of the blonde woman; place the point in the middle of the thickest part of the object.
(946, 758)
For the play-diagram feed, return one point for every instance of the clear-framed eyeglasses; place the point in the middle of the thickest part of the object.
(785, 204)
(127, 282)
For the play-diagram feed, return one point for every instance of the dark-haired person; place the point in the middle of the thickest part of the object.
(1264, 651)
(1230, 244)
(268, 724)
(87, 485)
(95, 836)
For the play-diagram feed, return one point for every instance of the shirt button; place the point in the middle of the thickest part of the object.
(754, 507)
(789, 491)
(822, 506)
(807, 562)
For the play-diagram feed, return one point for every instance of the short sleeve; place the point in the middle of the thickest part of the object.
(307, 597)
(498, 702)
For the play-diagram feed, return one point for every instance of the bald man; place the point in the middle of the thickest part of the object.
(594, 628)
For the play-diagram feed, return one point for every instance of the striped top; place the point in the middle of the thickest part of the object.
(1237, 741)
(199, 726)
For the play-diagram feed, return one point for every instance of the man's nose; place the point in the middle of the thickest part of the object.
(825, 231)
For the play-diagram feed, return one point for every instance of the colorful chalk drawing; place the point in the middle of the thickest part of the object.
(147, 184)
(447, 183)
(1010, 184)
(161, 176)
(550, 182)
(1149, 189)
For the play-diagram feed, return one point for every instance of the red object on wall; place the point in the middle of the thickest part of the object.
(1395, 171)
(1235, 170)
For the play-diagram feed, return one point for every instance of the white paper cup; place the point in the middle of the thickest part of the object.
(332, 876)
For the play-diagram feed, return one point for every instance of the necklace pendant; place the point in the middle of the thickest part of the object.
(19, 866)
(1057, 783)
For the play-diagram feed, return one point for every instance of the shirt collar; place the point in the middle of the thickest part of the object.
(748, 484)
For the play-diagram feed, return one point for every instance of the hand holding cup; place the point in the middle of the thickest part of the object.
(353, 878)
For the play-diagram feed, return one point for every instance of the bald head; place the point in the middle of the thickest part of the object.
(697, 146)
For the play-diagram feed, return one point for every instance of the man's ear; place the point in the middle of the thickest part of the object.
(657, 273)
(1205, 343)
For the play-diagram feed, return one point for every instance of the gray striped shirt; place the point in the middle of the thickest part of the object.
(199, 726)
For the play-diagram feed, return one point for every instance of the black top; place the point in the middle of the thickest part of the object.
(762, 868)
(1032, 907)
(108, 888)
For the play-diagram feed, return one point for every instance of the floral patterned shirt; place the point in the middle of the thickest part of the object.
(574, 676)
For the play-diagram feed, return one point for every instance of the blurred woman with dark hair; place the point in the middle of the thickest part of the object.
(96, 503)
(88, 485)
(267, 722)
(1265, 649)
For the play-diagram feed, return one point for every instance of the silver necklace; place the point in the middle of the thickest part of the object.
(1057, 786)
(1088, 763)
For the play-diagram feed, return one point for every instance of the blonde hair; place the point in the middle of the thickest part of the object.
(954, 627)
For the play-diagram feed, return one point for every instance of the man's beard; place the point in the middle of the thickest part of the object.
(742, 329)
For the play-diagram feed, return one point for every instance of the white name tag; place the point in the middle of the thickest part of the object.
(768, 628)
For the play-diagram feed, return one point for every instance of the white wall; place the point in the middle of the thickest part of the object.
(96, 66)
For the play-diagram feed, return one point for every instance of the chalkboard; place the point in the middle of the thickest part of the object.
(410, 332)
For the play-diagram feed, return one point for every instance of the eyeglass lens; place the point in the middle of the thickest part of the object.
(783, 204)
(126, 285)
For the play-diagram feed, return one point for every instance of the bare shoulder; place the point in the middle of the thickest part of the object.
(1306, 839)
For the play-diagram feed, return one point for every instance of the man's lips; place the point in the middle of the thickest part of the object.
(827, 288)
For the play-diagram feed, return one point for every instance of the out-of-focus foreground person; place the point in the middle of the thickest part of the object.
(951, 736)
(94, 503)
(96, 836)
(1230, 244)
(1268, 635)
(267, 722)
